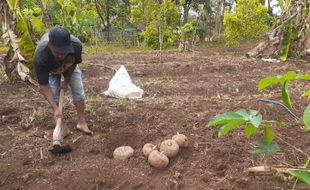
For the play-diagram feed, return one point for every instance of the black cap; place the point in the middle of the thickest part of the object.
(60, 40)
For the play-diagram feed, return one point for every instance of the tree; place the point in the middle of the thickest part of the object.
(123, 17)
(248, 23)
(159, 21)
(106, 10)
(142, 12)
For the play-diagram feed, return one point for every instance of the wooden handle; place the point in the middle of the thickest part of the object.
(61, 96)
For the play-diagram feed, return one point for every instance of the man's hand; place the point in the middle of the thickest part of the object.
(57, 114)
(64, 85)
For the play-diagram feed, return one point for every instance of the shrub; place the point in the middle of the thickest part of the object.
(249, 22)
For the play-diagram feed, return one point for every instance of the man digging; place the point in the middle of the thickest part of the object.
(58, 53)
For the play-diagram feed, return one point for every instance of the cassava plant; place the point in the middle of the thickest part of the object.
(251, 121)
(284, 80)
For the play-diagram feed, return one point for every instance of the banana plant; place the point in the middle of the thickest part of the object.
(18, 35)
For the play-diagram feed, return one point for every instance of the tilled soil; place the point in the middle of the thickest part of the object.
(181, 95)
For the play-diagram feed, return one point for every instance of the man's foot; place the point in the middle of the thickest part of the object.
(64, 131)
(84, 128)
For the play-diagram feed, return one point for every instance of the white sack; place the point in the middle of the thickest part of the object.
(121, 86)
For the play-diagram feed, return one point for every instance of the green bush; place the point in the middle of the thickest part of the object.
(249, 22)
(150, 35)
(192, 29)
(169, 22)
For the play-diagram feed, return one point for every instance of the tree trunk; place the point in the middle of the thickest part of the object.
(219, 20)
(269, 8)
(108, 21)
(98, 10)
(186, 8)
(160, 33)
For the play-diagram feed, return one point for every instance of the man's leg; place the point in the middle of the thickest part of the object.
(81, 125)
(78, 95)
(54, 82)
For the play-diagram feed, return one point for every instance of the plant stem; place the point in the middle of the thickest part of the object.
(307, 163)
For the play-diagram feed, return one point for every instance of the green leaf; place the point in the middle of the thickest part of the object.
(256, 120)
(288, 37)
(307, 94)
(12, 4)
(303, 175)
(304, 77)
(306, 117)
(243, 113)
(37, 24)
(268, 134)
(224, 118)
(285, 95)
(279, 123)
(266, 149)
(281, 4)
(230, 126)
(253, 112)
(290, 75)
(270, 122)
(268, 81)
(26, 43)
(250, 130)
(45, 3)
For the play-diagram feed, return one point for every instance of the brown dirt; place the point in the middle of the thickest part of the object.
(181, 95)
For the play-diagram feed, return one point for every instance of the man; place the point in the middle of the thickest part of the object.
(58, 53)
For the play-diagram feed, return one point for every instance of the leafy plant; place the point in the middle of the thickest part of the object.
(156, 18)
(284, 80)
(249, 22)
(266, 149)
(251, 121)
(20, 37)
(306, 118)
(303, 175)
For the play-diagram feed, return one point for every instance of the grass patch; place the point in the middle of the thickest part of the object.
(166, 77)
(105, 48)
(122, 101)
(90, 110)
(3, 48)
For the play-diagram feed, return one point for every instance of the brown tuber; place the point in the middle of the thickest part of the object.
(123, 152)
(148, 148)
(158, 160)
(181, 140)
(169, 147)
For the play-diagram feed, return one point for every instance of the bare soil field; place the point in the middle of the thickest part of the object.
(181, 95)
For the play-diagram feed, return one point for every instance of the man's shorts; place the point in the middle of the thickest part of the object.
(75, 84)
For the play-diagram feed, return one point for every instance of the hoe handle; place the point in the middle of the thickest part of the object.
(61, 96)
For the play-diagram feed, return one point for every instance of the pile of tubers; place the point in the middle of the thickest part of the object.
(168, 148)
